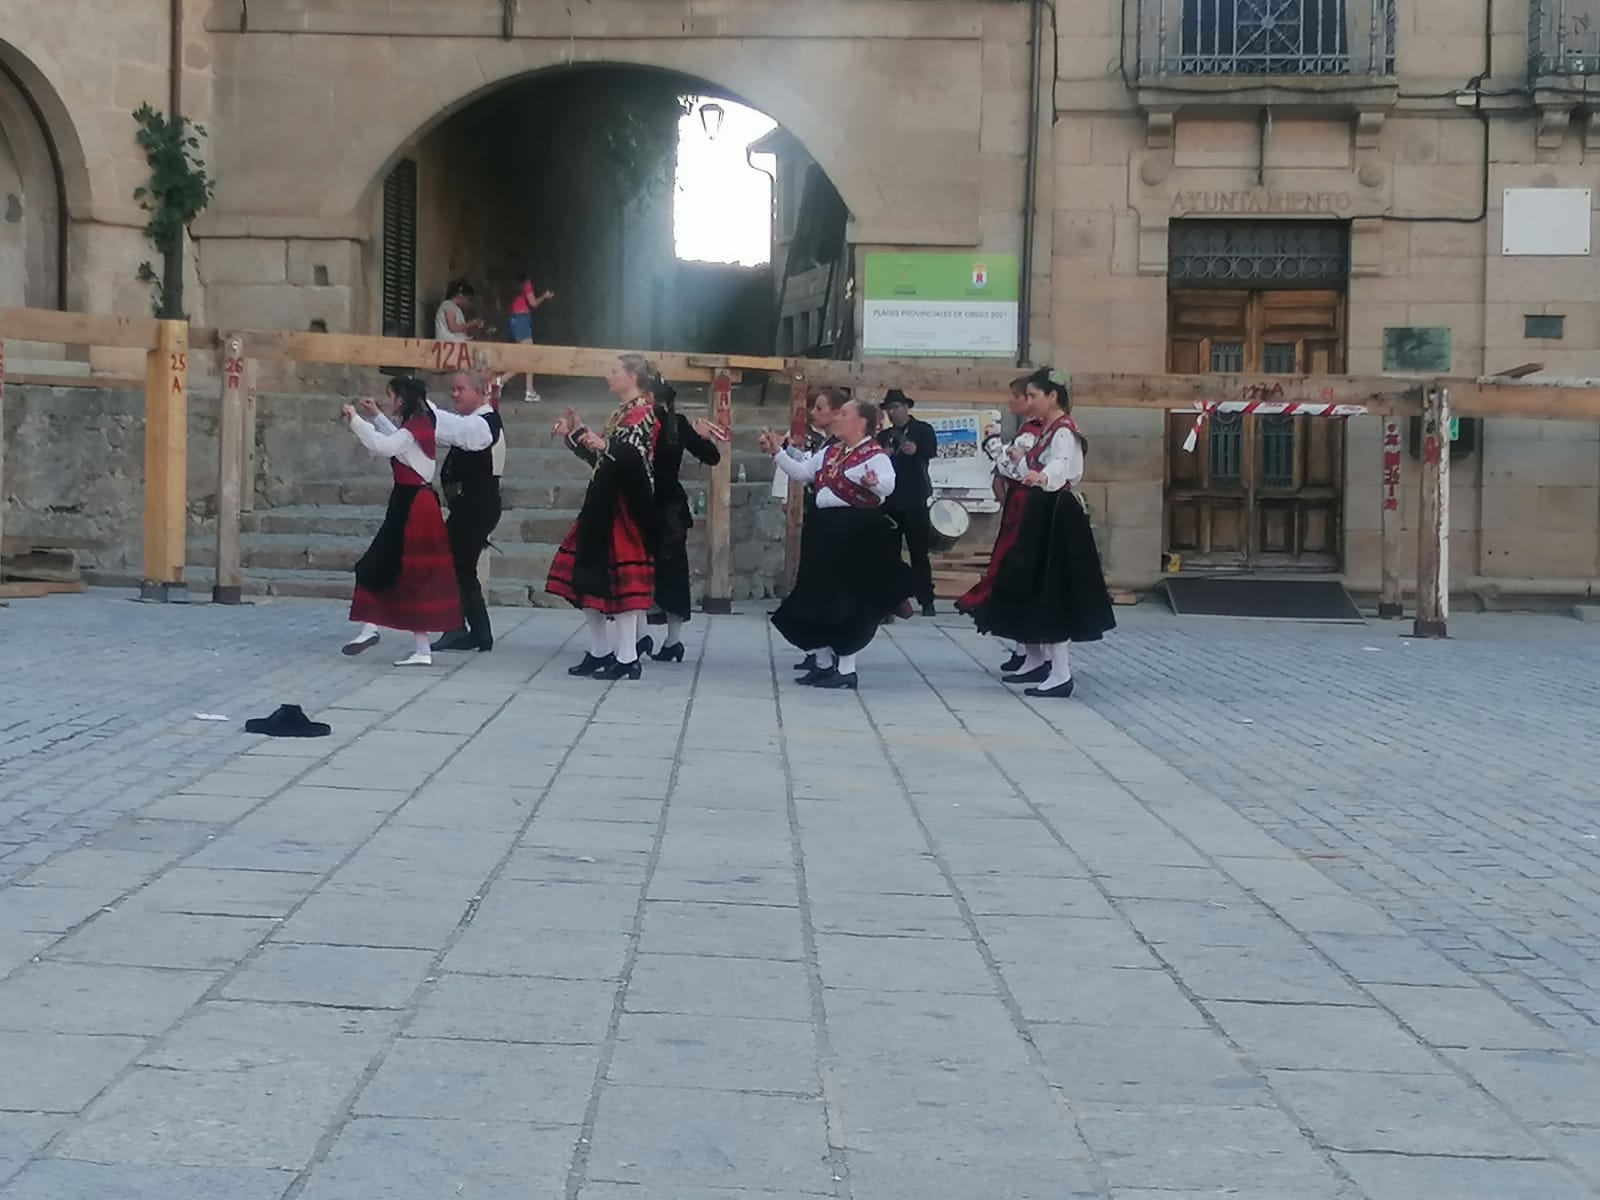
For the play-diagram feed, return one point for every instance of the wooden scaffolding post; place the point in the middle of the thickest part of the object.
(794, 507)
(1433, 547)
(1391, 597)
(166, 462)
(228, 588)
(719, 511)
(247, 444)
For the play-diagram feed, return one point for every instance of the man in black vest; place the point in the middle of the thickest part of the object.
(913, 444)
(470, 477)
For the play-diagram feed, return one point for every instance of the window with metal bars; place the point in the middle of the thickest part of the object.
(400, 250)
(1258, 253)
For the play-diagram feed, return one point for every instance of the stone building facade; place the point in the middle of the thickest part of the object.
(1216, 189)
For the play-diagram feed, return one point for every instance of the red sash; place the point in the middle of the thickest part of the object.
(1035, 456)
(836, 461)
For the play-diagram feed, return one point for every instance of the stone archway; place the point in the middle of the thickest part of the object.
(44, 185)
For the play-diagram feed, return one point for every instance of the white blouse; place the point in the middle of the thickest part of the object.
(393, 443)
(805, 470)
(1063, 459)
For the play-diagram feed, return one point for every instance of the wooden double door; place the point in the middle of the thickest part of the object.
(1256, 491)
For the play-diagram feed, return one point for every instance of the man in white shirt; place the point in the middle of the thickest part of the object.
(470, 476)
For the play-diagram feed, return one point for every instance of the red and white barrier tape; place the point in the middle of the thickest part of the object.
(1265, 408)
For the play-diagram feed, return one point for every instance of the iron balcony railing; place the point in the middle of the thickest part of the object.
(1563, 38)
(1304, 38)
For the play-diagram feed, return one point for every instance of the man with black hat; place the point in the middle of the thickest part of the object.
(913, 445)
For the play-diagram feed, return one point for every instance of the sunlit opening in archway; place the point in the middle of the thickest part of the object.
(722, 207)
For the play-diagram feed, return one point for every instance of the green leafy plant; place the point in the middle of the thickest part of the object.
(178, 191)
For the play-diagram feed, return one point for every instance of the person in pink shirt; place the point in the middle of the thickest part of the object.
(520, 322)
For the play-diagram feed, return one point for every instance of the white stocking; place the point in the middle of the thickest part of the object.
(422, 644)
(1060, 667)
(847, 664)
(1036, 657)
(368, 629)
(674, 632)
(594, 624)
(825, 659)
(628, 636)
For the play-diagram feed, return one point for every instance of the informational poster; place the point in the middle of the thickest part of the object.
(940, 306)
(962, 471)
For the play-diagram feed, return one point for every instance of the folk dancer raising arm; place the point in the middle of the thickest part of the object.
(1012, 498)
(674, 520)
(851, 575)
(1049, 590)
(604, 565)
(404, 580)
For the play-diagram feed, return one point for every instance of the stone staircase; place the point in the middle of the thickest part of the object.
(308, 543)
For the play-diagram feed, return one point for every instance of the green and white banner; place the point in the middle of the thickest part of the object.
(940, 306)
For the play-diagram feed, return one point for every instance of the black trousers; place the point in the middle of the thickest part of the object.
(915, 534)
(474, 513)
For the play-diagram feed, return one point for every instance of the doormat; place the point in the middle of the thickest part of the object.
(1263, 599)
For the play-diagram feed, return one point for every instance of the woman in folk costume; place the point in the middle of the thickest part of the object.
(1013, 499)
(406, 579)
(676, 434)
(605, 565)
(851, 575)
(1048, 590)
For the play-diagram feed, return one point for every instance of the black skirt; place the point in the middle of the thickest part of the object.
(672, 559)
(1049, 587)
(851, 577)
(378, 569)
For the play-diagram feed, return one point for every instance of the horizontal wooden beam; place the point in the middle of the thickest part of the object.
(78, 329)
(1529, 401)
(422, 354)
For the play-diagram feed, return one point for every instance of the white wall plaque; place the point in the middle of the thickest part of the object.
(1546, 221)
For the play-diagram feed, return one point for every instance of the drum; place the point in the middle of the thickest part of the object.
(949, 521)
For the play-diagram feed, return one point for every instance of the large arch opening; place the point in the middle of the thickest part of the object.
(662, 211)
(41, 170)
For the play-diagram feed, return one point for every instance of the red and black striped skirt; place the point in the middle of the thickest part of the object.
(423, 597)
(628, 582)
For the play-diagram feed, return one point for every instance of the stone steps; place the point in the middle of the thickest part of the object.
(517, 525)
(338, 552)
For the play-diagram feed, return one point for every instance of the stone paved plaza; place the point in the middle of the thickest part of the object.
(1274, 912)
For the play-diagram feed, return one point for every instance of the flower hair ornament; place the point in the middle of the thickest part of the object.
(1060, 378)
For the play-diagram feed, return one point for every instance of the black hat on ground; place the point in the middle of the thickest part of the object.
(896, 396)
(289, 721)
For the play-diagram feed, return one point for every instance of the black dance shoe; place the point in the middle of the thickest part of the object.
(808, 663)
(645, 645)
(836, 681)
(815, 676)
(672, 653)
(1060, 692)
(620, 670)
(456, 639)
(592, 663)
(928, 610)
(1037, 675)
(1015, 663)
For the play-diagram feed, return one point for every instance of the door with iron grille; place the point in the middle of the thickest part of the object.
(1257, 491)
